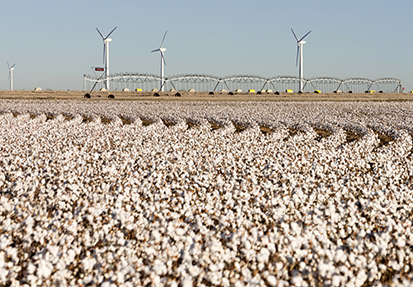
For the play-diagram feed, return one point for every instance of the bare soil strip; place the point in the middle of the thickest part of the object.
(201, 96)
(105, 120)
(293, 132)
(239, 127)
(322, 133)
(192, 124)
(383, 138)
(146, 122)
(126, 121)
(50, 117)
(86, 119)
(168, 123)
(214, 125)
(352, 136)
(265, 130)
(67, 117)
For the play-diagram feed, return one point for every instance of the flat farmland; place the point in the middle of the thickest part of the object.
(203, 96)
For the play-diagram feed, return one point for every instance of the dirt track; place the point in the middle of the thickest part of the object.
(198, 96)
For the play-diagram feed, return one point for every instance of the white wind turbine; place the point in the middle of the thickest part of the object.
(163, 62)
(11, 69)
(106, 41)
(300, 44)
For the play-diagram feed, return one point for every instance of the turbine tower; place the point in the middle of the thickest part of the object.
(106, 41)
(163, 62)
(300, 43)
(11, 69)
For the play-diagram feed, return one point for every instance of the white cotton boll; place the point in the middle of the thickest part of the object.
(53, 249)
(3, 275)
(247, 245)
(361, 278)
(180, 231)
(271, 280)
(213, 267)
(336, 281)
(340, 256)
(31, 268)
(194, 270)
(400, 242)
(186, 282)
(71, 254)
(159, 267)
(214, 278)
(156, 235)
(352, 258)
(88, 263)
(44, 269)
(282, 283)
(225, 282)
(271, 247)
(298, 281)
(263, 255)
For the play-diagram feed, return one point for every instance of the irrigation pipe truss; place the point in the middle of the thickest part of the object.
(199, 82)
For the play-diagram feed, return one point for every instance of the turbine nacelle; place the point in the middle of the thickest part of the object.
(11, 68)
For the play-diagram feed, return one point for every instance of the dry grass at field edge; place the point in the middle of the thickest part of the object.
(204, 96)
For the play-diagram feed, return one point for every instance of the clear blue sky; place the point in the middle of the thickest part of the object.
(54, 42)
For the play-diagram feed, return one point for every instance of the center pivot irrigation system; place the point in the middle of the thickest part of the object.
(206, 83)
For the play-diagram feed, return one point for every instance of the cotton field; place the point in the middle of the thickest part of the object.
(206, 194)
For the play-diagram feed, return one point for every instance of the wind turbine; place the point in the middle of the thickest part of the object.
(106, 41)
(11, 69)
(300, 44)
(163, 62)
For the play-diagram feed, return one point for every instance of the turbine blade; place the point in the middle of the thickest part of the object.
(104, 52)
(13, 65)
(305, 36)
(296, 58)
(110, 32)
(163, 39)
(295, 36)
(100, 34)
(163, 58)
(8, 65)
(156, 50)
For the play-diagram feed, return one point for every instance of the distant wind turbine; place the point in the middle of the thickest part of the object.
(163, 62)
(106, 41)
(11, 69)
(300, 44)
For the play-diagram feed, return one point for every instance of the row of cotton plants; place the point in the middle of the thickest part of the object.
(96, 202)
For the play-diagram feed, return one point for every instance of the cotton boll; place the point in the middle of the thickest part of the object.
(186, 282)
(159, 267)
(44, 269)
(263, 255)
